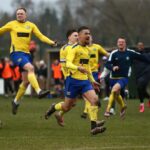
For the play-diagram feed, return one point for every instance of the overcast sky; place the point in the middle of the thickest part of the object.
(6, 4)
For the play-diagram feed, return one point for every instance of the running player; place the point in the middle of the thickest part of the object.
(95, 51)
(80, 80)
(119, 63)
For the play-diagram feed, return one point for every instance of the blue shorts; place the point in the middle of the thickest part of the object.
(95, 75)
(74, 87)
(20, 58)
(122, 81)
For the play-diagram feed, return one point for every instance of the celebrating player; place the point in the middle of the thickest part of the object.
(21, 32)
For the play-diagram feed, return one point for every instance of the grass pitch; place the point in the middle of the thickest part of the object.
(28, 130)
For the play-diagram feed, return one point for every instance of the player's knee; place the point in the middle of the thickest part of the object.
(25, 83)
(66, 107)
(115, 91)
(94, 101)
(30, 68)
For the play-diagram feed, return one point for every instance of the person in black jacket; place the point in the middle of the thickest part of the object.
(142, 74)
(119, 63)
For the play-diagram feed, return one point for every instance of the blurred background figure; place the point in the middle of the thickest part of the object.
(142, 74)
(16, 76)
(106, 82)
(32, 48)
(106, 85)
(57, 76)
(42, 74)
(6, 74)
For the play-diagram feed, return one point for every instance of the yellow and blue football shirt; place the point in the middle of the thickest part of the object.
(95, 50)
(63, 54)
(21, 35)
(79, 56)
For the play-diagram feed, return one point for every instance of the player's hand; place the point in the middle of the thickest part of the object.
(83, 70)
(101, 80)
(96, 86)
(55, 44)
(115, 68)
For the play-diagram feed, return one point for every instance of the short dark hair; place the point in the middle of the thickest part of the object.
(83, 28)
(69, 32)
(122, 37)
(22, 9)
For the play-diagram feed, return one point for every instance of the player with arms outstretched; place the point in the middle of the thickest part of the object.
(21, 32)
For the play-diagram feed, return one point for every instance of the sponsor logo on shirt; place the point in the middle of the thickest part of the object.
(94, 49)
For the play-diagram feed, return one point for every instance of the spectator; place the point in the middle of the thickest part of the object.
(57, 75)
(42, 74)
(32, 48)
(6, 74)
(16, 74)
(142, 72)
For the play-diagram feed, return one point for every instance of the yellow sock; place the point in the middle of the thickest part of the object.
(120, 101)
(111, 100)
(20, 92)
(58, 106)
(93, 112)
(87, 104)
(33, 81)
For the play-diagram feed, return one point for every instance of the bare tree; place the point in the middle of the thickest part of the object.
(28, 4)
(112, 18)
